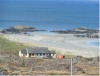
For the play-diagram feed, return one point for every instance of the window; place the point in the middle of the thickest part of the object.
(37, 54)
(32, 54)
(43, 54)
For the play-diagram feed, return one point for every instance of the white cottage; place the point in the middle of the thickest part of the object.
(37, 52)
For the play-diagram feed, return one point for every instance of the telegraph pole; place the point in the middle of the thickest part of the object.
(71, 67)
(0, 49)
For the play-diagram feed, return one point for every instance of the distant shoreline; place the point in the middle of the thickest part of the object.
(82, 32)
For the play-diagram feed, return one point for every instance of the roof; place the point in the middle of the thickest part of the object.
(37, 50)
(24, 51)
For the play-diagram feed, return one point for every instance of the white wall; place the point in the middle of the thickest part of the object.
(20, 54)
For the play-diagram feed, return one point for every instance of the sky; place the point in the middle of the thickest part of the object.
(49, 0)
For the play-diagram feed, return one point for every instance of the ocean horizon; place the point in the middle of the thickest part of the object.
(49, 15)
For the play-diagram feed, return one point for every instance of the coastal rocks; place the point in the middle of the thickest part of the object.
(80, 32)
(10, 30)
(20, 29)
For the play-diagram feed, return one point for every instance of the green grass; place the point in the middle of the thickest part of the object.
(70, 56)
(10, 46)
(66, 54)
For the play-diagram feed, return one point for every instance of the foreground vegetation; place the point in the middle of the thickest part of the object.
(10, 46)
(37, 66)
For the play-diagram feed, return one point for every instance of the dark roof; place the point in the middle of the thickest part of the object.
(24, 51)
(37, 50)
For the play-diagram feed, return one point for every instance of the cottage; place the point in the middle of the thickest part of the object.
(40, 52)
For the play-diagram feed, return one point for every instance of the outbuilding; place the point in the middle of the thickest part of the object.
(60, 56)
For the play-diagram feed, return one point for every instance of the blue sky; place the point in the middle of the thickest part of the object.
(49, 0)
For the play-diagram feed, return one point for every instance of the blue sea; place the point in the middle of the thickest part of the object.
(50, 14)
(94, 43)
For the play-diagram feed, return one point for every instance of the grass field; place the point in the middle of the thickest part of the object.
(10, 46)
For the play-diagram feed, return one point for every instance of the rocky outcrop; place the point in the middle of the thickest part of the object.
(20, 29)
(80, 30)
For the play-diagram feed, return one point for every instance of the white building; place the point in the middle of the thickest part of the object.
(37, 52)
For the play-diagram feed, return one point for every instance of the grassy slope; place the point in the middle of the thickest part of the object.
(10, 46)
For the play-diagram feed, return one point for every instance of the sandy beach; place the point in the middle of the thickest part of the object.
(66, 44)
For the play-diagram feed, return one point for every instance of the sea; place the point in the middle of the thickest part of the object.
(94, 43)
(50, 14)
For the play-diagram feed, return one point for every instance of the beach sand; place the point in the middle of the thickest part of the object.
(66, 44)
